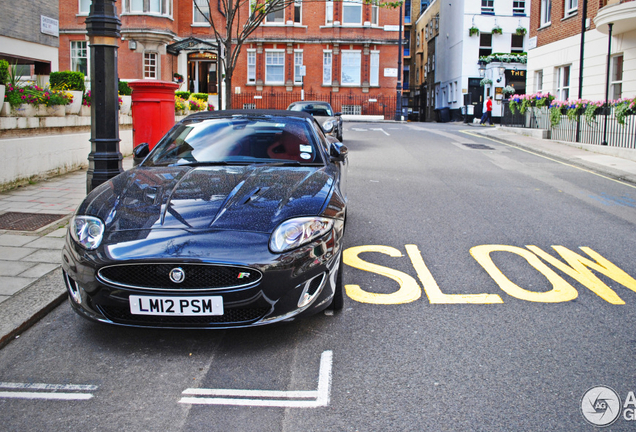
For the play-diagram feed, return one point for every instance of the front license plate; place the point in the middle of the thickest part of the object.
(184, 306)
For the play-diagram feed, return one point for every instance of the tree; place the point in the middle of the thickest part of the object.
(233, 35)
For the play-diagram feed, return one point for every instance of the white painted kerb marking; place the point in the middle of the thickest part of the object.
(269, 398)
(51, 394)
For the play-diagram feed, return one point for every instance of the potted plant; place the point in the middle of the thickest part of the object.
(485, 82)
(53, 103)
(4, 79)
(521, 31)
(185, 95)
(178, 78)
(180, 106)
(24, 100)
(195, 105)
(508, 91)
(125, 93)
(473, 31)
(72, 82)
(86, 104)
(497, 30)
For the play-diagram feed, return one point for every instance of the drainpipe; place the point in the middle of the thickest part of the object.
(398, 99)
(581, 58)
(607, 72)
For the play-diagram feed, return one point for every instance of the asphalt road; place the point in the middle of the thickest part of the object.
(468, 309)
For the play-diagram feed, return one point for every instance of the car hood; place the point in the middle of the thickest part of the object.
(247, 198)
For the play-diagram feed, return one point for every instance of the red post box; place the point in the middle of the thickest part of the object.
(152, 110)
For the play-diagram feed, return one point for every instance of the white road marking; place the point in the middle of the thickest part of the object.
(41, 386)
(284, 399)
(49, 391)
(358, 129)
(54, 396)
(381, 130)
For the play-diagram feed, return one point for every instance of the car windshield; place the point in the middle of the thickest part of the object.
(321, 110)
(239, 140)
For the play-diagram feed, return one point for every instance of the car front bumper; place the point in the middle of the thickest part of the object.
(294, 284)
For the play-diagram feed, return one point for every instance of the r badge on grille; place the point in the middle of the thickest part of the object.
(242, 275)
(177, 275)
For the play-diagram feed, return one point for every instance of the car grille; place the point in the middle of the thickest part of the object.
(235, 316)
(197, 276)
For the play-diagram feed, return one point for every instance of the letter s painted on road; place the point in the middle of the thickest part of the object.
(409, 289)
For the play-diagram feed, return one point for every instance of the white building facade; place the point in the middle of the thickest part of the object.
(470, 29)
(554, 65)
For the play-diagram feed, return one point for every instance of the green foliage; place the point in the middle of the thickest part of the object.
(555, 115)
(203, 97)
(18, 95)
(497, 30)
(67, 80)
(521, 31)
(14, 78)
(124, 89)
(485, 81)
(622, 111)
(55, 97)
(4, 72)
(195, 105)
(185, 95)
(179, 104)
(473, 31)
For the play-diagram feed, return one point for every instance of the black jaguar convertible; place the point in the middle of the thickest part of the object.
(234, 219)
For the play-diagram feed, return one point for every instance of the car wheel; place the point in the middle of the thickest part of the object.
(339, 136)
(338, 298)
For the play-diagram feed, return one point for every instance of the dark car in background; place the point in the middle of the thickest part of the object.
(330, 121)
(234, 219)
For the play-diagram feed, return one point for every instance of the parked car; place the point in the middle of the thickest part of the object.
(234, 219)
(330, 121)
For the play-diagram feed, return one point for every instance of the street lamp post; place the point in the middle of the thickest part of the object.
(104, 160)
(398, 99)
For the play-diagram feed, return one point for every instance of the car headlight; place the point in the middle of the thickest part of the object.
(328, 126)
(88, 231)
(297, 232)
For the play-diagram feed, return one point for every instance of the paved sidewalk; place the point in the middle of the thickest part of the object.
(30, 276)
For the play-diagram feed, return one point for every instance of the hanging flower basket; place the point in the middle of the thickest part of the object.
(508, 90)
(485, 81)
(497, 30)
(521, 31)
(473, 31)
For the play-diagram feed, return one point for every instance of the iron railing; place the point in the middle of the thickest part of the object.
(341, 102)
(597, 131)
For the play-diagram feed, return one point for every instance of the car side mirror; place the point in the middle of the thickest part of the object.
(338, 114)
(140, 152)
(338, 152)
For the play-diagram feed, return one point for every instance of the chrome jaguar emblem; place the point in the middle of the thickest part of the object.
(177, 275)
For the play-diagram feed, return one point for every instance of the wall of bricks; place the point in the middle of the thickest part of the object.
(560, 27)
(312, 36)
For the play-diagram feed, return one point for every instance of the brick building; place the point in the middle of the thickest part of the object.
(29, 37)
(554, 59)
(347, 47)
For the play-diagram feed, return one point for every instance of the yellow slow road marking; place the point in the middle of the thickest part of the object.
(576, 266)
